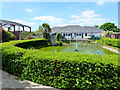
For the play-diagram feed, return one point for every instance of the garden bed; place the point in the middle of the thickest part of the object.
(61, 69)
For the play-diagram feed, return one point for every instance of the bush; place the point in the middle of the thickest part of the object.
(12, 36)
(26, 35)
(60, 43)
(34, 43)
(110, 41)
(61, 69)
(59, 37)
(7, 36)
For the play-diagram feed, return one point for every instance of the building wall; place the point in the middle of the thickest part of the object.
(79, 35)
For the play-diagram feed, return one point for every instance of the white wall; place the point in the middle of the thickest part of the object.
(79, 37)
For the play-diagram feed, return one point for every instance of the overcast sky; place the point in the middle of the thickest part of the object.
(60, 13)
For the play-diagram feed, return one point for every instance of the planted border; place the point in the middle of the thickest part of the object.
(110, 41)
(61, 69)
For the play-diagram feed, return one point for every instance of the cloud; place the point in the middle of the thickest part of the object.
(88, 17)
(28, 10)
(23, 22)
(74, 16)
(50, 19)
(89, 14)
(100, 2)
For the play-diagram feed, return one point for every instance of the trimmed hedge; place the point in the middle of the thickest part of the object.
(61, 69)
(7, 36)
(110, 41)
(34, 43)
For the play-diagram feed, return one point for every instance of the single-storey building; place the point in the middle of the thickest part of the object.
(78, 32)
(115, 35)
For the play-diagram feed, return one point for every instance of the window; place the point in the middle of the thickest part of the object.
(63, 34)
(85, 34)
(68, 34)
(76, 34)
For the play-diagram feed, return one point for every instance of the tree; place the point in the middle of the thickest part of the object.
(96, 26)
(109, 27)
(45, 29)
(40, 29)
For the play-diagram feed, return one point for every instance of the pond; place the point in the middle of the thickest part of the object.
(81, 48)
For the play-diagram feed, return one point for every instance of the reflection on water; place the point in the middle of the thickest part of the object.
(81, 47)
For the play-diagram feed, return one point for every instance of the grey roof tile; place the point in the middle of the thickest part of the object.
(76, 29)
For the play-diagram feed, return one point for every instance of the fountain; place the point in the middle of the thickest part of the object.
(76, 46)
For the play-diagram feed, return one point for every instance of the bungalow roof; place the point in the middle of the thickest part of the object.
(77, 29)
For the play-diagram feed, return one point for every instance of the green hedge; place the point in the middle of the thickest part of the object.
(7, 36)
(110, 41)
(35, 44)
(61, 69)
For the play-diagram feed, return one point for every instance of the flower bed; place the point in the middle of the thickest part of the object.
(60, 69)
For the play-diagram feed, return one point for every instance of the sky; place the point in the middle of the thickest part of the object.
(55, 14)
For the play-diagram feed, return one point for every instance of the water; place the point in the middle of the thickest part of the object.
(81, 47)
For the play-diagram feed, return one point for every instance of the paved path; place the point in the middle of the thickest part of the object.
(10, 81)
(111, 49)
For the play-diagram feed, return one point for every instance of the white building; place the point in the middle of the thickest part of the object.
(78, 32)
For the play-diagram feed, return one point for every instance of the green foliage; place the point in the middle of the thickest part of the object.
(11, 36)
(109, 27)
(46, 35)
(59, 43)
(45, 29)
(7, 36)
(26, 35)
(59, 37)
(61, 69)
(96, 25)
(110, 41)
(33, 43)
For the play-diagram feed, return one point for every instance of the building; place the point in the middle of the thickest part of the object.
(78, 32)
(115, 35)
(14, 27)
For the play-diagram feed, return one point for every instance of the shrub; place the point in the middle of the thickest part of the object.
(61, 69)
(110, 41)
(26, 35)
(34, 43)
(7, 36)
(11, 36)
(60, 43)
(59, 37)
